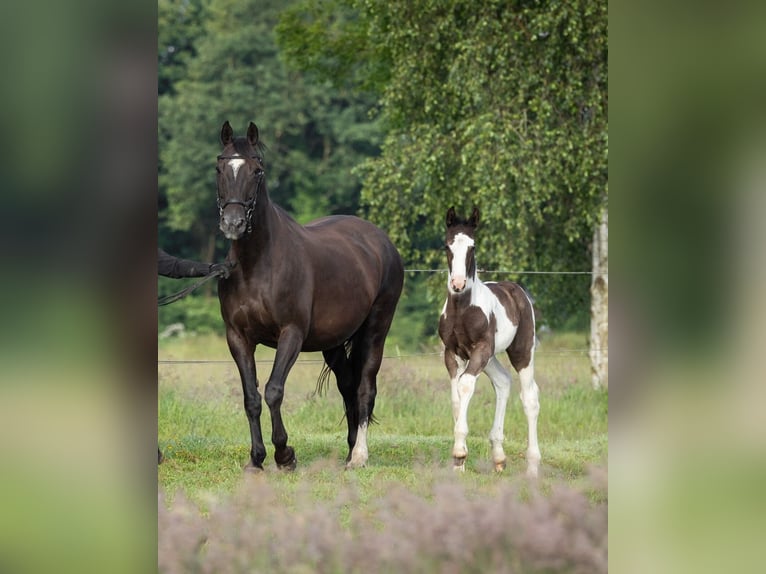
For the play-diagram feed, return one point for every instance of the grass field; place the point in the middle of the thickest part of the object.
(204, 435)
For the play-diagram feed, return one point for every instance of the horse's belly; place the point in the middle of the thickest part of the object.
(331, 332)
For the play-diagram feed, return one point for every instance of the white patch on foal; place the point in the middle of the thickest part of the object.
(483, 297)
(235, 164)
(459, 248)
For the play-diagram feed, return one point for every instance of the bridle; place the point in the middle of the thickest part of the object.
(248, 205)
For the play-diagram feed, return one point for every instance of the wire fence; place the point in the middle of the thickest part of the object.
(386, 358)
(499, 272)
(414, 355)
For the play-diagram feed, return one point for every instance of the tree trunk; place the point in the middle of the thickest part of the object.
(599, 305)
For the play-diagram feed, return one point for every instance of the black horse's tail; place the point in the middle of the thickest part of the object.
(323, 380)
(324, 375)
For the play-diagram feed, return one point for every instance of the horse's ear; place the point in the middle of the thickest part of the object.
(252, 134)
(473, 221)
(450, 216)
(226, 133)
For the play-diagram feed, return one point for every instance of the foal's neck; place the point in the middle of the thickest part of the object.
(466, 298)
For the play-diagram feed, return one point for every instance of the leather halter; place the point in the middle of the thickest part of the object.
(248, 205)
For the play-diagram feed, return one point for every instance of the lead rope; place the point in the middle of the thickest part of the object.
(167, 299)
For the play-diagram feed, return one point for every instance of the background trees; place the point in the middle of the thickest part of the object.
(399, 110)
(497, 104)
(227, 67)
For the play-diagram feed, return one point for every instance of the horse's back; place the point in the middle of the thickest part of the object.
(357, 236)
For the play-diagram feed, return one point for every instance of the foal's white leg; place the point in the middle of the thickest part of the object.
(529, 398)
(501, 381)
(461, 366)
(466, 385)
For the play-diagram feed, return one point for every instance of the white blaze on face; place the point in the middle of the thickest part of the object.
(459, 248)
(235, 164)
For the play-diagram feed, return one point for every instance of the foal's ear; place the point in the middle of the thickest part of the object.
(473, 221)
(226, 133)
(252, 134)
(450, 216)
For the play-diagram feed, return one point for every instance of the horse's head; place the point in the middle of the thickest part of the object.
(240, 176)
(459, 244)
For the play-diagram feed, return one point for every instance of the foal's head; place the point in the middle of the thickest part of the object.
(240, 176)
(460, 251)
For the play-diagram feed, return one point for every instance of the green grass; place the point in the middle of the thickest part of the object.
(204, 435)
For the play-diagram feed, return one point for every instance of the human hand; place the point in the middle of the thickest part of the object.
(222, 269)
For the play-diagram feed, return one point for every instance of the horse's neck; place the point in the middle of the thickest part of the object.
(255, 245)
(268, 221)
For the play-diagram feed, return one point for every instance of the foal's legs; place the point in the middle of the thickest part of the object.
(466, 384)
(242, 352)
(340, 365)
(288, 348)
(529, 398)
(501, 381)
(455, 367)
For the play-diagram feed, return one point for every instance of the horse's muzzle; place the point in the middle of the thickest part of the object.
(457, 283)
(233, 225)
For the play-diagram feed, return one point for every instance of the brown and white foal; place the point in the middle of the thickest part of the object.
(478, 321)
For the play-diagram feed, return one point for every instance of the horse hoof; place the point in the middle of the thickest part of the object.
(458, 464)
(351, 465)
(288, 461)
(288, 467)
(500, 466)
(250, 468)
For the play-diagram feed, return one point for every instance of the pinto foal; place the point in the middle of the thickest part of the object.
(478, 321)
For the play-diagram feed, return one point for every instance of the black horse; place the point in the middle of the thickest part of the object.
(329, 286)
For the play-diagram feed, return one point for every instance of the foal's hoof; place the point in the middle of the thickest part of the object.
(500, 466)
(458, 463)
(532, 471)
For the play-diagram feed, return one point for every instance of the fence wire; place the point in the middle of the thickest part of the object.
(404, 356)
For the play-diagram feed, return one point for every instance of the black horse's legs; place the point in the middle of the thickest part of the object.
(340, 365)
(242, 352)
(288, 347)
(367, 355)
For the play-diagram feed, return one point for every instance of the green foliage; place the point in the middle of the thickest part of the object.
(230, 69)
(197, 314)
(493, 104)
(179, 24)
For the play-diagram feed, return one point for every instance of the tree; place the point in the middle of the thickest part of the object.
(497, 104)
(179, 24)
(314, 135)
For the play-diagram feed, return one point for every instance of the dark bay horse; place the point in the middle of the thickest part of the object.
(479, 320)
(329, 286)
